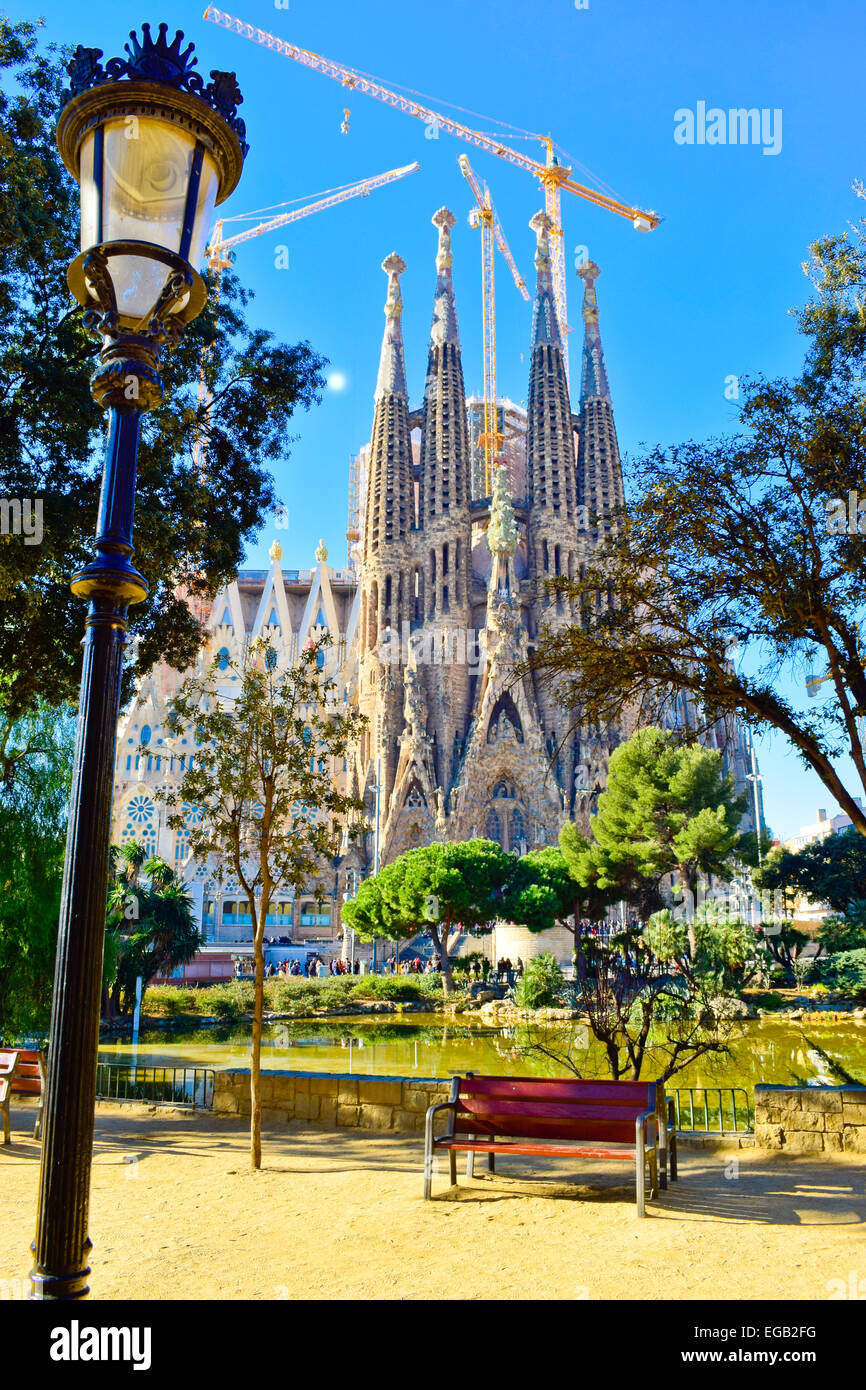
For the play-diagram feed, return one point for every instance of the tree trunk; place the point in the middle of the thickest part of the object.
(441, 947)
(256, 1049)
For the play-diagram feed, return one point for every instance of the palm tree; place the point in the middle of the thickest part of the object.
(149, 932)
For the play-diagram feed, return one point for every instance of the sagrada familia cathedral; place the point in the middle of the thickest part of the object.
(445, 596)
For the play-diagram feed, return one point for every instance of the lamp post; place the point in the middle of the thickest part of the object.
(154, 150)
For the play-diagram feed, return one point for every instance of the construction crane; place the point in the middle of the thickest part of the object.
(554, 177)
(484, 216)
(215, 255)
(219, 253)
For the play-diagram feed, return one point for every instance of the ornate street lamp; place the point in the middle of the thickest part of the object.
(154, 149)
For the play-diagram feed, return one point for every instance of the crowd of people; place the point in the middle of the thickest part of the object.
(503, 972)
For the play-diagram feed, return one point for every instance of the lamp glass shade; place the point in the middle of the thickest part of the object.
(136, 188)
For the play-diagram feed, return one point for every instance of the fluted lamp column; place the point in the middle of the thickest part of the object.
(154, 149)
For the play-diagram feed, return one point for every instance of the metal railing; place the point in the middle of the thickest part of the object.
(192, 1087)
(707, 1109)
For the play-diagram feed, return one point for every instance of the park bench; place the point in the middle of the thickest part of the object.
(22, 1072)
(625, 1120)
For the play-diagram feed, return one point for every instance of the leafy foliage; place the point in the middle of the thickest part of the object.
(541, 982)
(846, 932)
(832, 870)
(743, 545)
(844, 973)
(191, 526)
(33, 814)
(151, 926)
(268, 811)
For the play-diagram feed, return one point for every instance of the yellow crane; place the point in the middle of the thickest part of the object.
(554, 177)
(219, 253)
(484, 216)
(215, 254)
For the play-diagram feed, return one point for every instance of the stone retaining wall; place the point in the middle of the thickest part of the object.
(355, 1102)
(811, 1119)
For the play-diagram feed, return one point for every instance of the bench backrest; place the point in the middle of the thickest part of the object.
(535, 1108)
(28, 1078)
(7, 1062)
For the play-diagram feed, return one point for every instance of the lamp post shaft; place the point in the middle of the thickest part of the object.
(62, 1244)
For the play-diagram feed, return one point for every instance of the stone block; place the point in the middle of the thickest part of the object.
(266, 1088)
(328, 1111)
(323, 1086)
(769, 1136)
(224, 1103)
(404, 1121)
(347, 1093)
(832, 1143)
(301, 1085)
(788, 1099)
(825, 1100)
(854, 1095)
(854, 1114)
(417, 1101)
(272, 1118)
(376, 1116)
(307, 1107)
(348, 1114)
(284, 1088)
(379, 1092)
(801, 1120)
(804, 1141)
(833, 1124)
(854, 1139)
(767, 1114)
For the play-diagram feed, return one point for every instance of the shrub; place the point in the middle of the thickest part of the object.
(770, 1001)
(229, 1000)
(169, 1001)
(844, 932)
(403, 988)
(844, 973)
(541, 983)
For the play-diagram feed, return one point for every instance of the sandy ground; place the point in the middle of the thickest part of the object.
(177, 1214)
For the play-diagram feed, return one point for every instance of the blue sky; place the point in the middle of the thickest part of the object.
(701, 299)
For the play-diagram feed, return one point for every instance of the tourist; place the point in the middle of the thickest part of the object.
(295, 968)
(519, 968)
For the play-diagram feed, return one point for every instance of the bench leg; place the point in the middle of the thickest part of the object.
(491, 1162)
(673, 1154)
(470, 1163)
(663, 1151)
(640, 1176)
(654, 1174)
(428, 1171)
(452, 1163)
(6, 1130)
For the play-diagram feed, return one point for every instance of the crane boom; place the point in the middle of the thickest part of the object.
(553, 176)
(491, 232)
(351, 78)
(219, 244)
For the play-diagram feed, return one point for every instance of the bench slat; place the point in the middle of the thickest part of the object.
(553, 1150)
(536, 1127)
(534, 1088)
(496, 1105)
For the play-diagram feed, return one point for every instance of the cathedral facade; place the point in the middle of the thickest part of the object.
(444, 599)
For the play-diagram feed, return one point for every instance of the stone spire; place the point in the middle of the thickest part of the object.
(390, 500)
(392, 367)
(550, 438)
(593, 381)
(444, 483)
(599, 471)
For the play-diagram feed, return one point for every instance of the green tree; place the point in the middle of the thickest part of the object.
(832, 870)
(739, 560)
(845, 932)
(34, 796)
(192, 524)
(437, 888)
(150, 926)
(667, 806)
(261, 778)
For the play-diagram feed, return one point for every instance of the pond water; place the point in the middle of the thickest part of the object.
(767, 1050)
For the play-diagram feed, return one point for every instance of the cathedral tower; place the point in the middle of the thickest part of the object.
(387, 547)
(599, 472)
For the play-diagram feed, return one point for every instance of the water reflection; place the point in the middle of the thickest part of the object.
(765, 1050)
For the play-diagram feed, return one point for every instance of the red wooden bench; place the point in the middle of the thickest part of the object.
(557, 1119)
(22, 1072)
